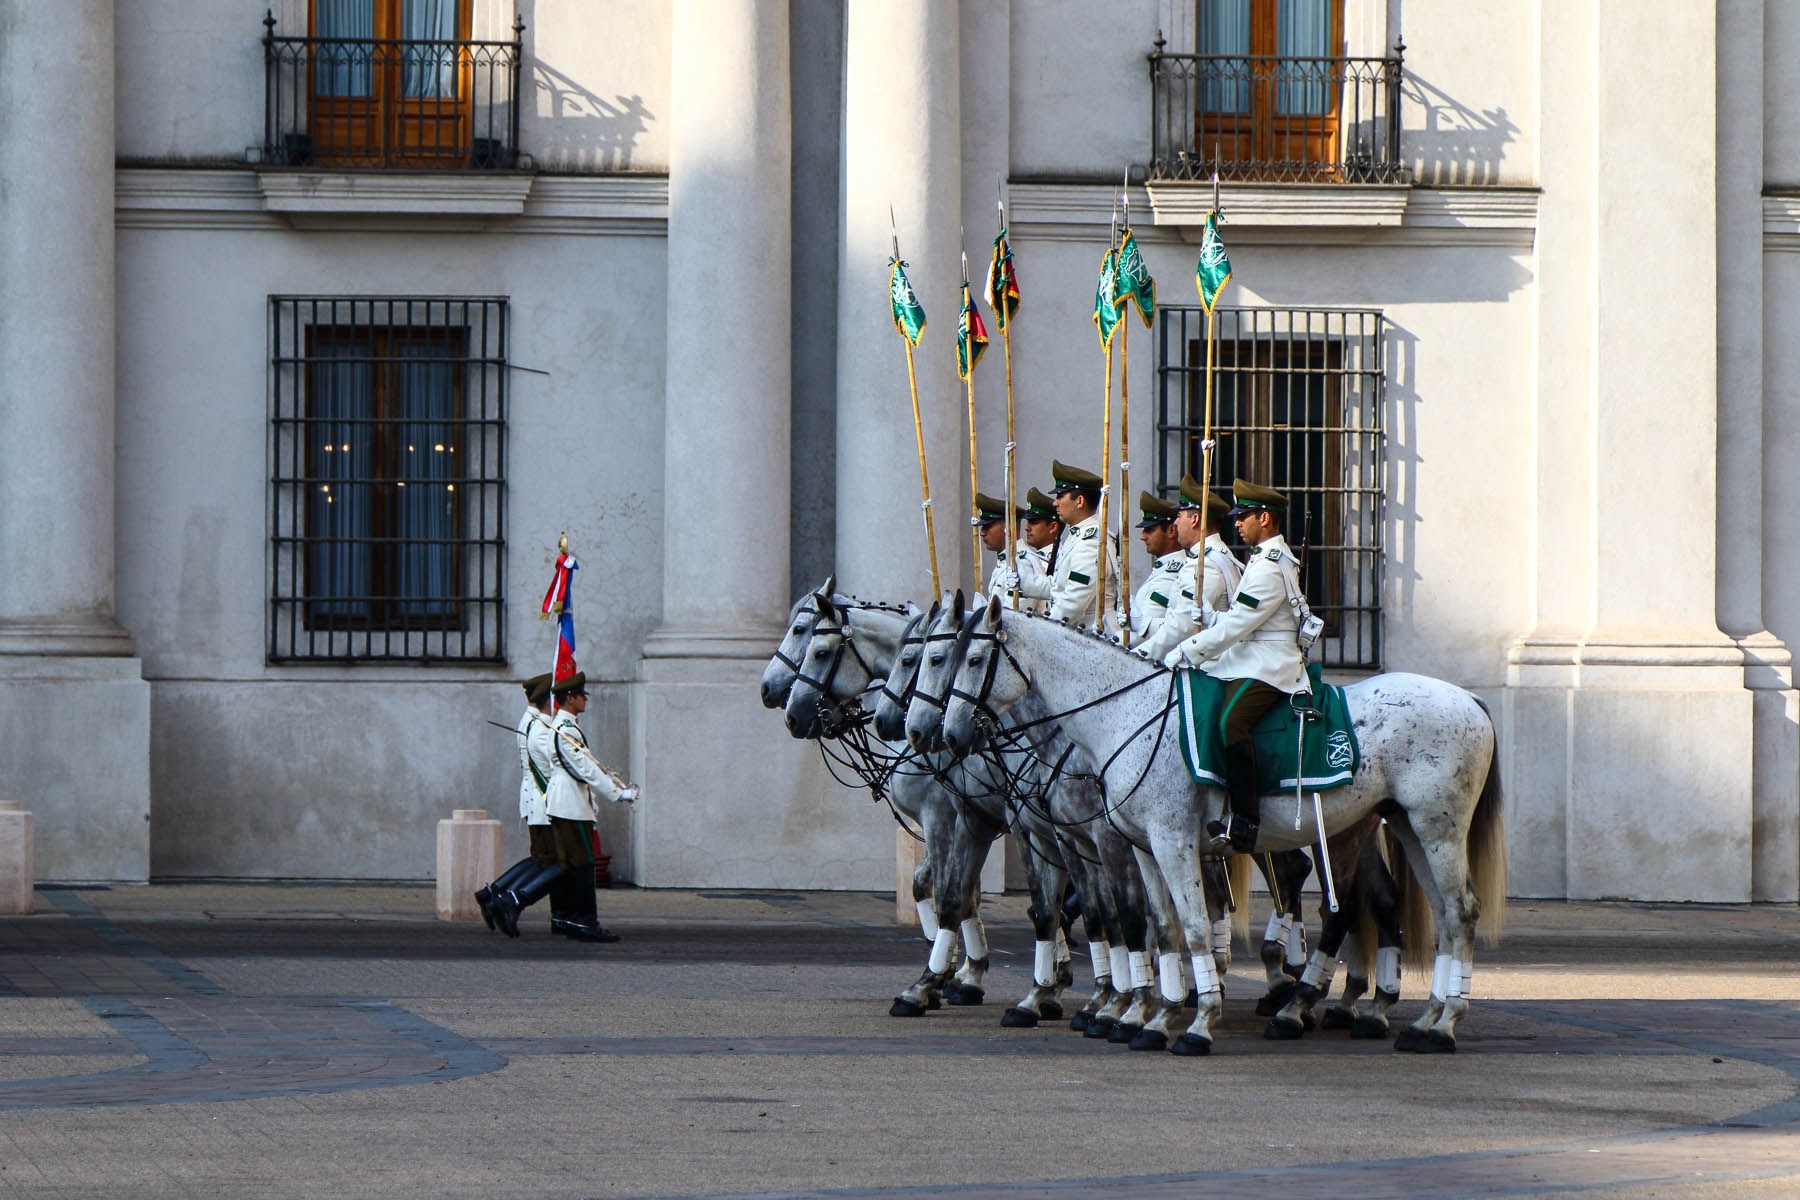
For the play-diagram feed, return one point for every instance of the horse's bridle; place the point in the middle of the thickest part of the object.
(985, 717)
(836, 715)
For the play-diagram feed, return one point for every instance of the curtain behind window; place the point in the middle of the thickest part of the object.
(1224, 28)
(342, 69)
(340, 498)
(1303, 30)
(426, 443)
(428, 67)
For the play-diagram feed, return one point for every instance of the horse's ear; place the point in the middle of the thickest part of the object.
(830, 584)
(962, 605)
(823, 602)
(993, 610)
(931, 615)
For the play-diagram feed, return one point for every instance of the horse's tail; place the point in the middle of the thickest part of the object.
(1237, 876)
(1418, 928)
(1487, 848)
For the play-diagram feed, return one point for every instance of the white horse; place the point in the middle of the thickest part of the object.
(1428, 766)
(833, 649)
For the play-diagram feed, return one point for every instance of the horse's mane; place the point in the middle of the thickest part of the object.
(1092, 635)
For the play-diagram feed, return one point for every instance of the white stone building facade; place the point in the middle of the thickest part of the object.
(633, 257)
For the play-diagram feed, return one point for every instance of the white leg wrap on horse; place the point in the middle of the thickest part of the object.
(1043, 970)
(1121, 967)
(1387, 970)
(1221, 937)
(1443, 969)
(1465, 973)
(1169, 978)
(1278, 928)
(1206, 974)
(1100, 955)
(1319, 970)
(1296, 944)
(943, 949)
(974, 938)
(927, 919)
(1140, 970)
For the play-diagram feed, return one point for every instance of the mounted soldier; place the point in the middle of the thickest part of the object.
(1209, 571)
(1254, 643)
(1037, 552)
(1157, 530)
(1000, 536)
(1073, 588)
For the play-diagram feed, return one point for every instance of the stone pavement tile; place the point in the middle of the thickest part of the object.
(54, 1066)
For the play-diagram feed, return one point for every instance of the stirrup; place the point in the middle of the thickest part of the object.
(1236, 832)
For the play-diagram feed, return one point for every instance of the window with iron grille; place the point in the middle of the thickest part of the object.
(1296, 405)
(388, 422)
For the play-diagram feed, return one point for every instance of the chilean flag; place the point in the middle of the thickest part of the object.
(559, 601)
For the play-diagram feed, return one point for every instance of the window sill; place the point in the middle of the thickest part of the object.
(1285, 204)
(383, 193)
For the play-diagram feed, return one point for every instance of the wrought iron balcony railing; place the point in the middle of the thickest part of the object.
(1270, 119)
(391, 102)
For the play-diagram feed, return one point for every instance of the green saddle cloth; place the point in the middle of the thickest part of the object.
(1331, 753)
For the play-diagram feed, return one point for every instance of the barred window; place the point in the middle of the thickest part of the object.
(1297, 406)
(388, 474)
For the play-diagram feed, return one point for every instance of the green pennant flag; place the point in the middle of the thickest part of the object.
(1213, 270)
(1002, 284)
(1135, 284)
(1106, 302)
(909, 315)
(971, 336)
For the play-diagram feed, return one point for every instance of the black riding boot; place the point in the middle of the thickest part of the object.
(1239, 826)
(509, 904)
(585, 913)
(565, 903)
(513, 875)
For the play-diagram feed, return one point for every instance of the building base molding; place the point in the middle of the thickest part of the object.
(729, 798)
(75, 738)
(1650, 770)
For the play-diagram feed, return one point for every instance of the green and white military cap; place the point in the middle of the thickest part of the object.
(1072, 479)
(989, 510)
(1194, 498)
(1252, 497)
(1039, 506)
(1156, 510)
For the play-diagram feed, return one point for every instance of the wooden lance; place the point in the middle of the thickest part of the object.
(912, 382)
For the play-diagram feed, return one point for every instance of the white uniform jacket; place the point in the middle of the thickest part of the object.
(1030, 564)
(1074, 588)
(1257, 636)
(532, 796)
(575, 775)
(1188, 615)
(1155, 594)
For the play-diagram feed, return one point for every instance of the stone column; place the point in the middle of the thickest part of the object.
(698, 727)
(902, 147)
(63, 657)
(1630, 724)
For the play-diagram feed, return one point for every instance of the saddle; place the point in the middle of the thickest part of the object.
(1330, 756)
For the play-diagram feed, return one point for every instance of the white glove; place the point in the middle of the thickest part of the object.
(1176, 659)
(629, 794)
(1141, 652)
(1005, 579)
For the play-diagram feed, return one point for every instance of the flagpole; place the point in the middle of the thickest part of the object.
(912, 382)
(974, 473)
(1206, 437)
(1012, 499)
(1112, 239)
(562, 552)
(1124, 445)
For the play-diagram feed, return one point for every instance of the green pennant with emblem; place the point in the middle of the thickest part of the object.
(1106, 298)
(1135, 284)
(909, 314)
(1213, 270)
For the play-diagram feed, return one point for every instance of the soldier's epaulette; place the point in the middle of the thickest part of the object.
(1088, 535)
(1173, 566)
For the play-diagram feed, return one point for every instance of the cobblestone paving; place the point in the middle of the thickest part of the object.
(298, 1040)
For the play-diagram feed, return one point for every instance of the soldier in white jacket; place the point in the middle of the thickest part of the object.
(1254, 643)
(532, 790)
(1073, 589)
(560, 753)
(1209, 571)
(1157, 529)
(1000, 536)
(1037, 551)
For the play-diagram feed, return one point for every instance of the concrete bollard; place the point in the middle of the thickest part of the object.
(468, 857)
(18, 877)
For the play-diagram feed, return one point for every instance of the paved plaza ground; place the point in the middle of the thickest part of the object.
(335, 1040)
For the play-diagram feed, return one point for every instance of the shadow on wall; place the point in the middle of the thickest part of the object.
(577, 130)
(1401, 422)
(1455, 144)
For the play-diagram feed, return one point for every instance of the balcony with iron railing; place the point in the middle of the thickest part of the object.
(1270, 119)
(386, 103)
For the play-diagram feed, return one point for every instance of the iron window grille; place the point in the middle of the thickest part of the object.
(437, 101)
(1298, 396)
(1276, 119)
(387, 465)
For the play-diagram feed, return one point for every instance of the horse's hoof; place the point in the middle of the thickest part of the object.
(1079, 1022)
(902, 1007)
(1436, 1043)
(963, 995)
(1409, 1039)
(1018, 1018)
(1369, 1027)
(1150, 1039)
(1190, 1045)
(1337, 1018)
(1280, 1030)
(1050, 1010)
(1121, 1033)
(1098, 1027)
(1275, 999)
(932, 1003)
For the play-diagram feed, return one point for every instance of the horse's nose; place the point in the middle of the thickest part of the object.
(802, 719)
(773, 695)
(954, 740)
